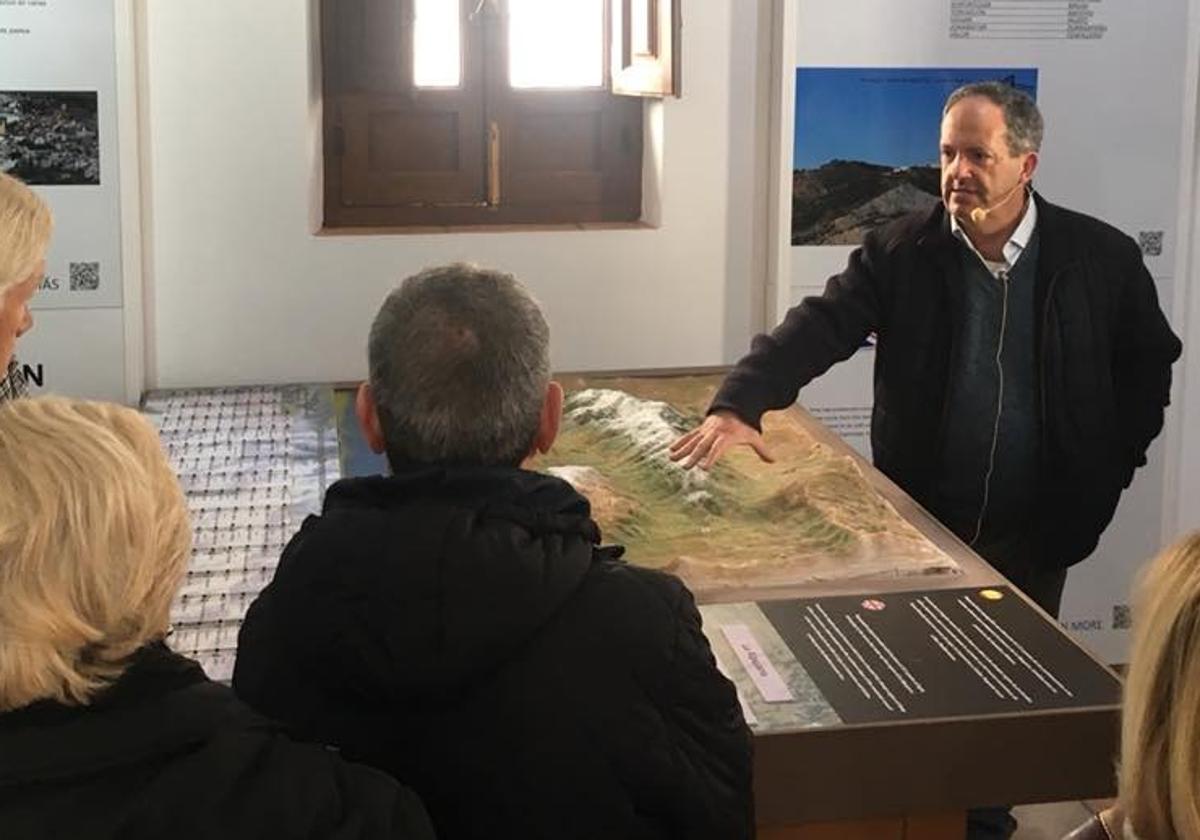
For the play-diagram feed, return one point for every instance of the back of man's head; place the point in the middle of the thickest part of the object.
(459, 365)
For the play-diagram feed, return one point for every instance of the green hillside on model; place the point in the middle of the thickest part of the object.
(810, 516)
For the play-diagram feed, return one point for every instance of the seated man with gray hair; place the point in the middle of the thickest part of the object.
(458, 624)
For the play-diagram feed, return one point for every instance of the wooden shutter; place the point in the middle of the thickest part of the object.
(482, 153)
(393, 149)
(646, 47)
(564, 155)
(579, 152)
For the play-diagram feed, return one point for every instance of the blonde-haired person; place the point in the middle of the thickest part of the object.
(25, 227)
(104, 732)
(1159, 778)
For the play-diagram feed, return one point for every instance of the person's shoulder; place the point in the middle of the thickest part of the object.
(352, 527)
(652, 628)
(647, 611)
(912, 229)
(652, 589)
(308, 789)
(1082, 229)
(217, 767)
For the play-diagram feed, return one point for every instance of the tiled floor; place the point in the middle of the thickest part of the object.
(1053, 820)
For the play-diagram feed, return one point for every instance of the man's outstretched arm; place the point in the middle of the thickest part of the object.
(814, 335)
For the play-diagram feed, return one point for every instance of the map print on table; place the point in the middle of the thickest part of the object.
(253, 462)
(811, 516)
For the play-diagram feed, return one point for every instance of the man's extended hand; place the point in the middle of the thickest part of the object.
(708, 441)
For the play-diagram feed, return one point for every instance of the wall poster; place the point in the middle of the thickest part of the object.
(868, 82)
(58, 133)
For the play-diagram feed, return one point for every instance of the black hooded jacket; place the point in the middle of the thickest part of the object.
(165, 753)
(461, 629)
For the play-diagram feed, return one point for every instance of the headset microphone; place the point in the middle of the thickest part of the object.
(979, 214)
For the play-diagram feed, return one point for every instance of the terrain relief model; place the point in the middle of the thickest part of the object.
(810, 516)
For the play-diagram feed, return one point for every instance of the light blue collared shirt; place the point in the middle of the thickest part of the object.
(1013, 248)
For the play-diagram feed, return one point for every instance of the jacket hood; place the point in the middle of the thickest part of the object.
(409, 585)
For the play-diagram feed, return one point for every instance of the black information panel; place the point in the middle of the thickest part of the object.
(948, 652)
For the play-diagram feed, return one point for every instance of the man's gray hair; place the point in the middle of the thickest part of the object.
(459, 363)
(1022, 118)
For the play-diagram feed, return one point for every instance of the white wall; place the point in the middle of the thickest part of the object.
(241, 291)
(1182, 509)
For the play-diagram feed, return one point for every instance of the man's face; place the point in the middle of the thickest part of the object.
(977, 168)
(15, 317)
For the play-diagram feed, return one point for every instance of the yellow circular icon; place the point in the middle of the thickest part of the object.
(991, 594)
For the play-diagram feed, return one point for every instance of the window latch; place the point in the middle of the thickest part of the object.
(484, 8)
(494, 164)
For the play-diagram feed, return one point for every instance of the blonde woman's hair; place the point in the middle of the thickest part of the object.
(25, 226)
(1159, 775)
(94, 540)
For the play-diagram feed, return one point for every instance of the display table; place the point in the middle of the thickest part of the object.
(882, 706)
(940, 764)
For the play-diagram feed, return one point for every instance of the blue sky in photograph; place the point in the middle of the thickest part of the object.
(888, 116)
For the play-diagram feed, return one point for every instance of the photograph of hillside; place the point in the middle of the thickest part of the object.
(866, 145)
(837, 203)
(810, 516)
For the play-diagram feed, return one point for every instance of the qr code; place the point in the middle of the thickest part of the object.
(85, 276)
(1122, 618)
(1151, 242)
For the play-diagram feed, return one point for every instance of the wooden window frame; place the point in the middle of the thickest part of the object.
(483, 154)
(652, 69)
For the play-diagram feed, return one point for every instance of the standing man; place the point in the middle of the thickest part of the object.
(1022, 363)
(25, 225)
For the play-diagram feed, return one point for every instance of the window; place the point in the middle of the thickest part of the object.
(476, 112)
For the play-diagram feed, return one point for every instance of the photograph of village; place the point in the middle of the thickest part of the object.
(50, 137)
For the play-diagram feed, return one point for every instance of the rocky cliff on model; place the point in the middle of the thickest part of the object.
(644, 431)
